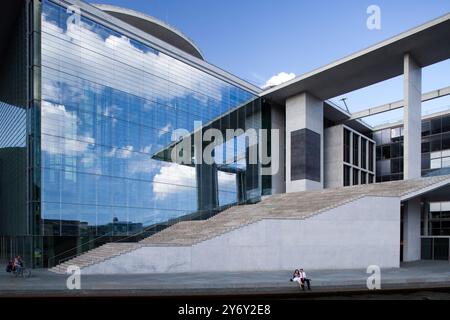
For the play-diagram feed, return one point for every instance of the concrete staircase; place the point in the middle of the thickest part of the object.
(302, 205)
(298, 206)
(99, 254)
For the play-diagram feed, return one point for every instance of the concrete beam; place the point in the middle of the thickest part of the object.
(398, 104)
(427, 43)
(412, 117)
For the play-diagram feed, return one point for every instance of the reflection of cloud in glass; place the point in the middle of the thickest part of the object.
(170, 178)
(56, 120)
(102, 62)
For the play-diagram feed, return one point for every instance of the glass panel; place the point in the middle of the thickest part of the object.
(425, 161)
(355, 149)
(436, 164)
(436, 126)
(441, 249)
(355, 177)
(347, 134)
(446, 124)
(363, 153)
(427, 249)
(347, 176)
(426, 128)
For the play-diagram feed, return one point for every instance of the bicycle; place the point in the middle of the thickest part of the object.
(23, 273)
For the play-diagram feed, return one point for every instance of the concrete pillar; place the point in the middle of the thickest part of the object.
(412, 118)
(207, 187)
(278, 122)
(411, 230)
(334, 157)
(304, 143)
(206, 178)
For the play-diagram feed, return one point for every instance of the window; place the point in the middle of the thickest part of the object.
(436, 163)
(363, 153)
(395, 150)
(396, 134)
(386, 136)
(379, 153)
(355, 149)
(363, 178)
(355, 177)
(347, 134)
(446, 124)
(384, 167)
(446, 141)
(371, 147)
(386, 152)
(436, 126)
(426, 128)
(436, 143)
(396, 165)
(425, 161)
(426, 146)
(445, 162)
(377, 137)
(347, 176)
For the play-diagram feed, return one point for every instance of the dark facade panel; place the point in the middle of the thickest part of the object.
(305, 155)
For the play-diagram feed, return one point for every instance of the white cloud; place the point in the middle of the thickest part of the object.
(279, 79)
(171, 179)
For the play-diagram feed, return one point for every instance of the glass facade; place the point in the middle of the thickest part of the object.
(108, 107)
(435, 226)
(358, 153)
(435, 149)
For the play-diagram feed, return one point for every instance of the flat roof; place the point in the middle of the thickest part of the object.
(428, 44)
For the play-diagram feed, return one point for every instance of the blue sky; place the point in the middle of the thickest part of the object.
(257, 39)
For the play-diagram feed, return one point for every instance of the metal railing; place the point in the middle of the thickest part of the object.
(52, 259)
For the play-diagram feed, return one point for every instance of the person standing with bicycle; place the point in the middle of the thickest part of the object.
(18, 265)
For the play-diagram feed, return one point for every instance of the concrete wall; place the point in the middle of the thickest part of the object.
(334, 157)
(355, 235)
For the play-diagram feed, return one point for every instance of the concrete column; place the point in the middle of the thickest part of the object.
(411, 231)
(207, 181)
(278, 122)
(412, 118)
(334, 157)
(304, 143)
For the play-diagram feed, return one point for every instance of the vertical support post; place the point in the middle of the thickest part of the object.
(304, 143)
(412, 118)
(411, 231)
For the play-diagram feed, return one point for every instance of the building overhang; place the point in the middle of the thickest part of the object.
(437, 191)
(428, 44)
(154, 27)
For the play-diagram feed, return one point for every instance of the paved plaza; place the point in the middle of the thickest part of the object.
(420, 275)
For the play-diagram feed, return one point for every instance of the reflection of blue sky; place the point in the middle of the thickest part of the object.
(98, 139)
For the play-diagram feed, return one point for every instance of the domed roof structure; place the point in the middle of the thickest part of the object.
(154, 27)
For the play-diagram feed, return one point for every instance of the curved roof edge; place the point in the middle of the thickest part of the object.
(147, 24)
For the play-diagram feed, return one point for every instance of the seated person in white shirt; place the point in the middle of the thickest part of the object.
(303, 279)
